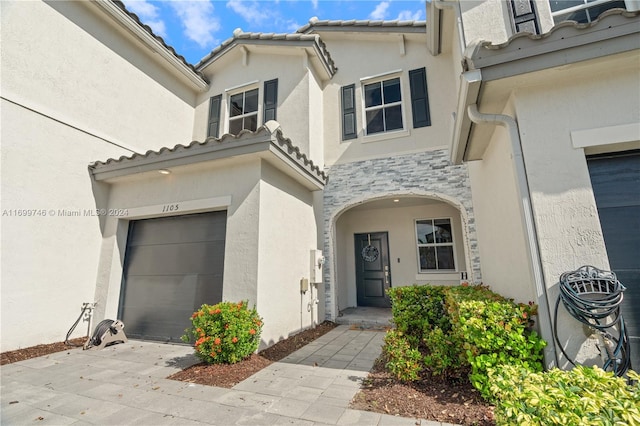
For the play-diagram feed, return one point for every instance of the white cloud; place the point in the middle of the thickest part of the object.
(407, 15)
(380, 12)
(198, 21)
(315, 4)
(148, 14)
(251, 11)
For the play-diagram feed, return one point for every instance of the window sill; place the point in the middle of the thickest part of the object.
(438, 276)
(385, 136)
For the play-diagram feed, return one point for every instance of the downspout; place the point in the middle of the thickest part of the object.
(526, 209)
(455, 5)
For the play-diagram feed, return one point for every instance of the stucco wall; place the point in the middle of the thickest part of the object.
(565, 212)
(287, 235)
(358, 57)
(399, 223)
(295, 86)
(74, 91)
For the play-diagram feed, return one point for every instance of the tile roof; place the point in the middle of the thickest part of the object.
(362, 25)
(211, 149)
(157, 37)
(240, 37)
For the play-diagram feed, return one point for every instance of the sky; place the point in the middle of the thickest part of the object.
(194, 28)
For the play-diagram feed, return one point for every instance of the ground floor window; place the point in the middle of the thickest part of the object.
(434, 239)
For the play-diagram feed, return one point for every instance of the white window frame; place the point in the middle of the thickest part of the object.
(235, 90)
(560, 15)
(452, 244)
(386, 133)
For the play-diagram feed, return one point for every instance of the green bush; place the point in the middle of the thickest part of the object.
(403, 360)
(582, 396)
(224, 333)
(458, 328)
(494, 331)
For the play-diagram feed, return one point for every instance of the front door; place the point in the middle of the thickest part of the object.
(373, 276)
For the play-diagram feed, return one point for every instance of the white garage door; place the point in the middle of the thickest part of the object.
(172, 266)
(616, 186)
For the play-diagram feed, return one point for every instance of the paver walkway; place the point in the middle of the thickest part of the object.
(126, 384)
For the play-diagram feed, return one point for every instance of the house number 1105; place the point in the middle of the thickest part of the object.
(170, 208)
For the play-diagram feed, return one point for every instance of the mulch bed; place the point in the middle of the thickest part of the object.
(450, 401)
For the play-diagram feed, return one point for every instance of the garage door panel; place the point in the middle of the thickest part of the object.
(172, 267)
(181, 229)
(621, 228)
(631, 300)
(616, 180)
(184, 258)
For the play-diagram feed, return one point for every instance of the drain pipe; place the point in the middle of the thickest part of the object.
(527, 211)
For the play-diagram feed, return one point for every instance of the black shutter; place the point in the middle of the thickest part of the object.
(419, 98)
(270, 100)
(349, 123)
(214, 116)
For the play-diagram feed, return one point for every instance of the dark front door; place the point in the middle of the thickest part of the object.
(373, 276)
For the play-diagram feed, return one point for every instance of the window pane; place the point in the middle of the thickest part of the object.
(235, 126)
(393, 117)
(445, 257)
(424, 230)
(557, 5)
(443, 231)
(251, 101)
(392, 91)
(251, 122)
(236, 105)
(372, 95)
(374, 122)
(427, 258)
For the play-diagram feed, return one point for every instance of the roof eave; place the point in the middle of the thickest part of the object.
(131, 25)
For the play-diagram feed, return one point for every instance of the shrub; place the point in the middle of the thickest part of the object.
(224, 333)
(403, 360)
(582, 396)
(495, 331)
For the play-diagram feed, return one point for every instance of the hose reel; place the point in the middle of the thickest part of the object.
(593, 297)
(108, 332)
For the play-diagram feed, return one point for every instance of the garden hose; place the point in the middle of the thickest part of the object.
(85, 307)
(591, 296)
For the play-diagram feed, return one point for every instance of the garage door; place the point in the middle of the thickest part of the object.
(616, 186)
(172, 266)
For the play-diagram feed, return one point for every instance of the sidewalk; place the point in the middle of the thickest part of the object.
(125, 384)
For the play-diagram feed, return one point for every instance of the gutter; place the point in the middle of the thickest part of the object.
(526, 211)
(132, 26)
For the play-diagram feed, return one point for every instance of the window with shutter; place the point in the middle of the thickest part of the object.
(419, 98)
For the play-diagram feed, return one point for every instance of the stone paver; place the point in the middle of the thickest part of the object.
(126, 385)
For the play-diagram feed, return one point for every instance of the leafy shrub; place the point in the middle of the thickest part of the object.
(582, 396)
(403, 360)
(494, 331)
(224, 333)
(418, 309)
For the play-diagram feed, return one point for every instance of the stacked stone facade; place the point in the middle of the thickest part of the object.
(424, 174)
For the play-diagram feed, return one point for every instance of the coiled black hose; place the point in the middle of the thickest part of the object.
(101, 328)
(592, 295)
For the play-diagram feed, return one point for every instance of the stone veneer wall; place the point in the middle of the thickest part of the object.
(427, 174)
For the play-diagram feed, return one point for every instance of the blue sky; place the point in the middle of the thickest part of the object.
(194, 28)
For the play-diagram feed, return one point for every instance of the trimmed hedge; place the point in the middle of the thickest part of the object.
(458, 328)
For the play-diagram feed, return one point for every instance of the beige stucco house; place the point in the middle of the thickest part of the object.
(293, 171)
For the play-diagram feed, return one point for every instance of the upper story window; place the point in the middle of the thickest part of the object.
(243, 108)
(435, 245)
(383, 106)
(582, 11)
(243, 111)
(384, 109)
